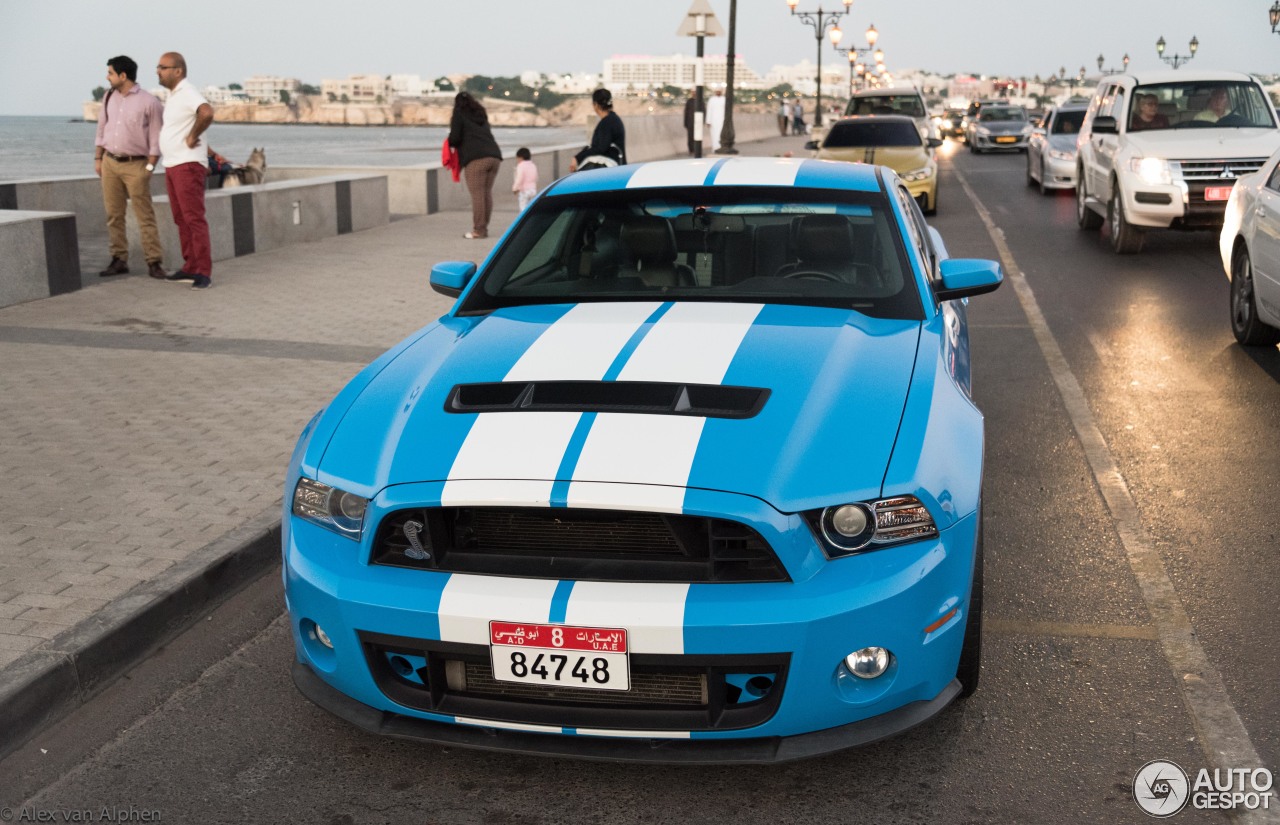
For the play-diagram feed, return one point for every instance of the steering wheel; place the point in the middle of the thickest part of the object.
(815, 274)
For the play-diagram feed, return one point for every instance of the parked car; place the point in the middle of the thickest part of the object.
(1250, 247)
(1051, 149)
(998, 126)
(894, 100)
(1173, 165)
(889, 140)
(690, 472)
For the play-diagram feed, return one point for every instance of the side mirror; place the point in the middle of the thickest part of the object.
(933, 143)
(811, 145)
(963, 277)
(1105, 125)
(451, 277)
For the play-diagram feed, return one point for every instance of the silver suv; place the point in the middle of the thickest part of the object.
(1163, 149)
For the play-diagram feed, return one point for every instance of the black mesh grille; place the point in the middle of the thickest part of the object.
(650, 397)
(561, 543)
(677, 689)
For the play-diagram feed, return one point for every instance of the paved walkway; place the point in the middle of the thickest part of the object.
(145, 429)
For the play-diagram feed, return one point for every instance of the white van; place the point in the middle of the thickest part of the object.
(1163, 149)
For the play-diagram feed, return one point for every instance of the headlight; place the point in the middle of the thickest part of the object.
(1151, 170)
(983, 130)
(923, 173)
(1059, 154)
(856, 527)
(1026, 130)
(329, 507)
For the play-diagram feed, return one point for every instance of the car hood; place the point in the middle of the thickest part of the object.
(1004, 127)
(898, 158)
(1063, 143)
(837, 383)
(1177, 144)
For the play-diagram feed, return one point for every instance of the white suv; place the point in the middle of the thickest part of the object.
(1163, 149)
(894, 100)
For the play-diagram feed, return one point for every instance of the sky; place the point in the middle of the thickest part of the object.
(54, 52)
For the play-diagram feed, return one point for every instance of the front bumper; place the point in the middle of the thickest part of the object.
(1059, 174)
(926, 189)
(911, 599)
(993, 142)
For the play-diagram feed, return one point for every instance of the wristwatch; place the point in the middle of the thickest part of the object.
(151, 167)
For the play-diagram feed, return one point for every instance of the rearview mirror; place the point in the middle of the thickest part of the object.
(451, 277)
(933, 143)
(1104, 125)
(964, 277)
(811, 145)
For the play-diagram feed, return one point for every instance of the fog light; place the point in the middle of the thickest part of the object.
(849, 520)
(322, 637)
(869, 662)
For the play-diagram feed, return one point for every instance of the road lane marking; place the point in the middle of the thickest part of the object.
(1223, 738)
(1022, 627)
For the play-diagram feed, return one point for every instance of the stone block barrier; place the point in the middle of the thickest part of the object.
(41, 255)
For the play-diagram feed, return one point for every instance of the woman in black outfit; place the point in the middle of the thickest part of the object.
(609, 140)
(480, 157)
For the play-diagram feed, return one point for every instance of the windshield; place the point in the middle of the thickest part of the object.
(1001, 114)
(908, 104)
(723, 243)
(873, 132)
(1067, 123)
(1199, 105)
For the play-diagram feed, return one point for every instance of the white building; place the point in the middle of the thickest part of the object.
(409, 85)
(575, 84)
(640, 72)
(803, 76)
(358, 88)
(267, 88)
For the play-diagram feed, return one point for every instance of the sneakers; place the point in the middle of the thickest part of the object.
(476, 236)
(180, 275)
(202, 282)
(156, 271)
(116, 267)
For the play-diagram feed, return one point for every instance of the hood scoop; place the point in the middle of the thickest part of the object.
(647, 397)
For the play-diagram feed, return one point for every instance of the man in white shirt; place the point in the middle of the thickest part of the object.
(715, 118)
(186, 116)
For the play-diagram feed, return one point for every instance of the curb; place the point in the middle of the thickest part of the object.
(50, 682)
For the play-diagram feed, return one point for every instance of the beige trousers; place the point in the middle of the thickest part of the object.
(121, 183)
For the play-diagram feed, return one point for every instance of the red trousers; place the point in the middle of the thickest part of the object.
(185, 184)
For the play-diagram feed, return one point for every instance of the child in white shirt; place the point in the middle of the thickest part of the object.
(526, 182)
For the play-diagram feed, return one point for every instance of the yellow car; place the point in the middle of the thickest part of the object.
(887, 140)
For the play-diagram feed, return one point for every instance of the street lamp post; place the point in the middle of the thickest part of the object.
(1274, 14)
(727, 135)
(700, 22)
(1177, 60)
(821, 21)
(1072, 80)
(853, 52)
(1125, 60)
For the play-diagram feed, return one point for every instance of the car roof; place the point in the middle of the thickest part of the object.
(1183, 76)
(886, 91)
(782, 173)
(1074, 106)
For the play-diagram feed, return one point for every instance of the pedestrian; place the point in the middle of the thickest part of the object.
(608, 141)
(690, 112)
(480, 157)
(784, 117)
(526, 181)
(186, 117)
(797, 118)
(125, 152)
(715, 118)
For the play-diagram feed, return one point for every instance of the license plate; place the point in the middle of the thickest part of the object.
(1006, 140)
(560, 655)
(1217, 193)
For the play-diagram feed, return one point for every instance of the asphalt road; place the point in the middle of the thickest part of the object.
(1160, 471)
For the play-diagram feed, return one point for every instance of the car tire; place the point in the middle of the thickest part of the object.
(1031, 181)
(1126, 239)
(1044, 190)
(970, 668)
(1086, 218)
(1249, 331)
(933, 210)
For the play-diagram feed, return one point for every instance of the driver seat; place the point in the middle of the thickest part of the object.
(823, 243)
(651, 241)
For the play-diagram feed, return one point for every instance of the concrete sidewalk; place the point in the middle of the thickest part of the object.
(145, 430)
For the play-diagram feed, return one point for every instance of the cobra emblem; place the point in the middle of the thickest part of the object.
(415, 550)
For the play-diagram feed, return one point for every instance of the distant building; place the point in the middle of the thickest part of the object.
(640, 72)
(358, 88)
(575, 84)
(267, 88)
(214, 94)
(803, 76)
(409, 85)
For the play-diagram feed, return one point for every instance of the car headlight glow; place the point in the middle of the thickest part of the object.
(1026, 130)
(856, 527)
(1152, 170)
(1059, 154)
(329, 507)
(923, 173)
(983, 130)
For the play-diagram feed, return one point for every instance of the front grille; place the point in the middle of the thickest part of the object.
(675, 692)
(1222, 170)
(569, 543)
(654, 398)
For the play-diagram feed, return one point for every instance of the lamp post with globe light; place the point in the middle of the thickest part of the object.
(1274, 14)
(1177, 60)
(821, 21)
(1125, 60)
(854, 52)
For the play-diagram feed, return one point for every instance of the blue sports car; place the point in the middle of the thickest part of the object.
(690, 472)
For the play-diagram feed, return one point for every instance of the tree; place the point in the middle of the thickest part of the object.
(308, 89)
(235, 87)
(284, 97)
(99, 93)
(332, 97)
(444, 84)
(346, 99)
(378, 100)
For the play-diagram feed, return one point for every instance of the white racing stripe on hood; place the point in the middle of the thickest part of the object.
(759, 172)
(679, 174)
(582, 344)
(692, 343)
(515, 454)
(469, 603)
(653, 614)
